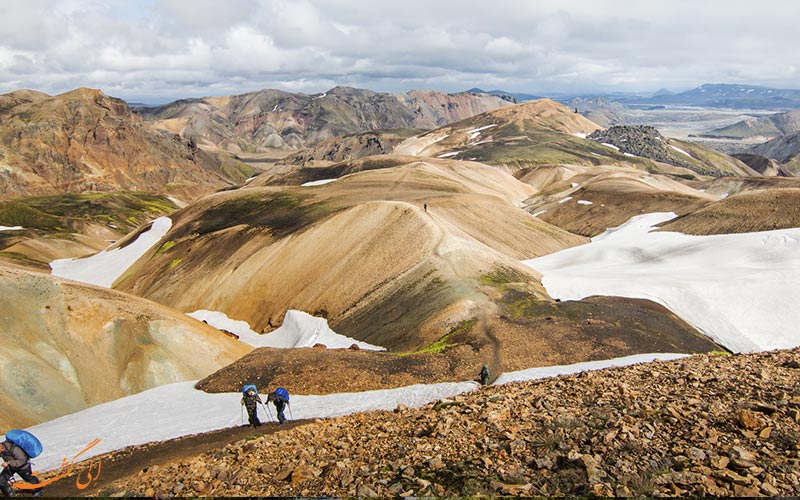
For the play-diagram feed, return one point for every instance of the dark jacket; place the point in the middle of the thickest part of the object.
(14, 456)
(251, 402)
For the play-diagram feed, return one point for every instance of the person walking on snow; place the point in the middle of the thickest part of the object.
(17, 462)
(280, 403)
(250, 400)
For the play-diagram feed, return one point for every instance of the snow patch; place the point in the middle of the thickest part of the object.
(584, 202)
(317, 183)
(554, 371)
(679, 150)
(447, 155)
(609, 145)
(299, 329)
(479, 129)
(580, 134)
(103, 268)
(565, 199)
(11, 228)
(540, 212)
(574, 185)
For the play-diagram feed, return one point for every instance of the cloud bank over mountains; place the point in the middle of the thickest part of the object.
(162, 49)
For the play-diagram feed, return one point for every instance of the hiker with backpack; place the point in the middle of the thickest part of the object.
(17, 460)
(484, 375)
(250, 400)
(280, 398)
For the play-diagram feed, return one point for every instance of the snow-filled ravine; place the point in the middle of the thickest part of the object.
(105, 267)
(175, 410)
(739, 289)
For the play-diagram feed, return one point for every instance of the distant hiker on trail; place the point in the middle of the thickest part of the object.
(425, 206)
(250, 400)
(484, 375)
(280, 398)
(17, 462)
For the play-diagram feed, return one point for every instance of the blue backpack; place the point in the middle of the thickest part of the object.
(25, 440)
(248, 387)
(280, 391)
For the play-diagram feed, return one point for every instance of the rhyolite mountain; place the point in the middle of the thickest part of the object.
(277, 119)
(84, 140)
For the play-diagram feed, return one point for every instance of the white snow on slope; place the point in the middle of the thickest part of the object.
(679, 150)
(161, 413)
(481, 128)
(103, 268)
(11, 228)
(582, 135)
(584, 202)
(609, 145)
(317, 183)
(445, 155)
(565, 199)
(554, 371)
(179, 409)
(739, 289)
(299, 329)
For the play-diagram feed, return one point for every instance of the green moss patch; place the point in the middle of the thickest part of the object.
(282, 212)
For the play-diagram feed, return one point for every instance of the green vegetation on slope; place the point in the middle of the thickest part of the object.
(122, 211)
(282, 212)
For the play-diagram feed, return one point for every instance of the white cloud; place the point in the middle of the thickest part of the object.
(179, 48)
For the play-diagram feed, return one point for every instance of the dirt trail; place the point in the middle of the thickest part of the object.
(130, 461)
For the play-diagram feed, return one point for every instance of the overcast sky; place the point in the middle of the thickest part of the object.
(157, 50)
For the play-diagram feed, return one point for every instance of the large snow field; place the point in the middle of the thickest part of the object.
(739, 289)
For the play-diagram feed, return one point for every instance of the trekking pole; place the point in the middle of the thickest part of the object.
(242, 407)
(290, 410)
(268, 412)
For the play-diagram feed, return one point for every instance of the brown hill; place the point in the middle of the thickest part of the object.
(279, 241)
(545, 132)
(84, 140)
(67, 346)
(760, 210)
(589, 200)
(277, 119)
(704, 426)
(443, 285)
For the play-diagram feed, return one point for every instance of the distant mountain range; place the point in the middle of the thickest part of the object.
(708, 95)
(721, 95)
